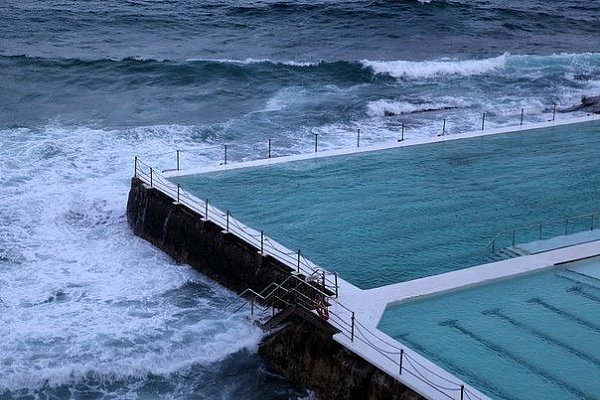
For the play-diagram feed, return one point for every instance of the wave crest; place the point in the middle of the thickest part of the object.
(431, 69)
(387, 108)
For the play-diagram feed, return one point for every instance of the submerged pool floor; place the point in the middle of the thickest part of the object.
(403, 213)
(526, 338)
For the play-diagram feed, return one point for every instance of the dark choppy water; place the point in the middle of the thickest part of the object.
(89, 311)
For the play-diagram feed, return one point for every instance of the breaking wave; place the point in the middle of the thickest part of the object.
(432, 69)
(386, 108)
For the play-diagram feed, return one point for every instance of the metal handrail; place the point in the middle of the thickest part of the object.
(357, 331)
(540, 228)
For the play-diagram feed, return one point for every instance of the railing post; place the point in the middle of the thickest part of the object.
(206, 209)
(494, 245)
(225, 156)
(323, 280)
(402, 138)
(462, 392)
(252, 305)
(262, 242)
(298, 260)
(177, 160)
(227, 224)
(336, 285)
(316, 142)
(269, 148)
(401, 360)
(522, 112)
(566, 225)
(514, 237)
(151, 178)
(135, 167)
(444, 128)
(553, 113)
(358, 138)
(178, 193)
(483, 121)
(352, 328)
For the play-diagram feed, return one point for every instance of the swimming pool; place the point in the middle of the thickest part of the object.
(531, 337)
(403, 213)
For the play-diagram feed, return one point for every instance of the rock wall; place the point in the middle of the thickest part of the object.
(303, 350)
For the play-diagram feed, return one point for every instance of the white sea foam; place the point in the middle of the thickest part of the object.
(82, 296)
(432, 69)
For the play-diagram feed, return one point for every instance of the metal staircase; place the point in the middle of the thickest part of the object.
(278, 301)
(506, 253)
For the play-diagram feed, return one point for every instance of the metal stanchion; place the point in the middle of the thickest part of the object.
(522, 113)
(401, 360)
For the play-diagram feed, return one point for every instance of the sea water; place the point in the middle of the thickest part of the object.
(87, 310)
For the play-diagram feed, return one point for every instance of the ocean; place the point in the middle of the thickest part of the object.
(88, 310)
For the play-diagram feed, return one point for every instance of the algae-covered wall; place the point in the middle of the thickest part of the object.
(303, 350)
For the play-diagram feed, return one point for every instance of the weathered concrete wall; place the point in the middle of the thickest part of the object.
(304, 350)
(305, 353)
(185, 236)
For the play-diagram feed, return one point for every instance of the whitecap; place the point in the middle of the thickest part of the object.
(381, 108)
(431, 69)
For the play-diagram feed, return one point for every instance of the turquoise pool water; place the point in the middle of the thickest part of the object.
(534, 337)
(390, 216)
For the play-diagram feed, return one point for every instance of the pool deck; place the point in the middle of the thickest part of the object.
(370, 304)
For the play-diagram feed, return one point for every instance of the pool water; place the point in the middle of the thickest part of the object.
(399, 214)
(531, 337)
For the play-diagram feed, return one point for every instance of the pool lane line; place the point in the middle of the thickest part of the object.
(581, 321)
(580, 292)
(538, 333)
(579, 282)
(477, 380)
(517, 359)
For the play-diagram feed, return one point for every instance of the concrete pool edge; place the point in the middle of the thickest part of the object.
(418, 289)
(377, 147)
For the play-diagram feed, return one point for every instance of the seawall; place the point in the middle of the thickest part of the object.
(188, 238)
(303, 349)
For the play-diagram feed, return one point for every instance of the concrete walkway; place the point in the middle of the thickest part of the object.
(417, 372)
(369, 305)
